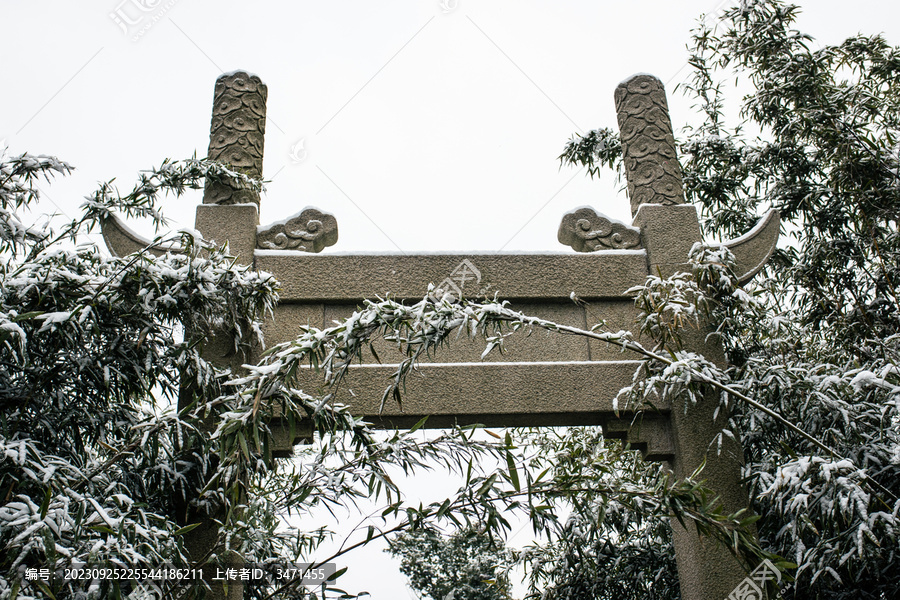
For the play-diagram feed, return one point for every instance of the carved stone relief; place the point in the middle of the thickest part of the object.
(309, 231)
(648, 145)
(237, 133)
(587, 231)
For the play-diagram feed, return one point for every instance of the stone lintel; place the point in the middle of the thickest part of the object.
(494, 394)
(232, 223)
(667, 234)
(545, 276)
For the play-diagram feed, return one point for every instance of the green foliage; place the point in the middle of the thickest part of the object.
(597, 149)
(606, 548)
(97, 461)
(816, 340)
(828, 160)
(463, 566)
(538, 486)
(94, 458)
(118, 437)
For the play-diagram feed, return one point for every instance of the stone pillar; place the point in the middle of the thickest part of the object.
(236, 138)
(706, 569)
(669, 228)
(230, 215)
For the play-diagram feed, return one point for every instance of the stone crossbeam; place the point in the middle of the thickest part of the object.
(544, 276)
(503, 394)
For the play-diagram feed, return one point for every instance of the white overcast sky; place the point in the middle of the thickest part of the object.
(426, 125)
(422, 125)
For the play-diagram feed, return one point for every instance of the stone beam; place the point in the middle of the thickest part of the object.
(546, 276)
(496, 394)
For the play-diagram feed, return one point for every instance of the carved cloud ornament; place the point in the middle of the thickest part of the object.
(587, 231)
(310, 230)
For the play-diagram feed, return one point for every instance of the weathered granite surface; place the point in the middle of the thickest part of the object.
(310, 230)
(237, 133)
(308, 277)
(648, 144)
(585, 230)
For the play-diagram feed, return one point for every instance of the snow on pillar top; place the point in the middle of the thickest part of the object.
(237, 134)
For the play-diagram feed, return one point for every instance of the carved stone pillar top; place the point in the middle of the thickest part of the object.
(237, 133)
(648, 145)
